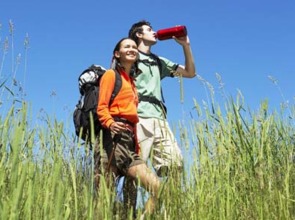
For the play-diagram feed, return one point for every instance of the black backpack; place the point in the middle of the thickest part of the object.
(85, 111)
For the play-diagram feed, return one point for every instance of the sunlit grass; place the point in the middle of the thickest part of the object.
(239, 170)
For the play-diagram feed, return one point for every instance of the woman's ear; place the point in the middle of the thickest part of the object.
(117, 54)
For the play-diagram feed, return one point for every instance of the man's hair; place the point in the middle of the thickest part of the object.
(137, 28)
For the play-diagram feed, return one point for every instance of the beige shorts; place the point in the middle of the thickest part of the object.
(158, 143)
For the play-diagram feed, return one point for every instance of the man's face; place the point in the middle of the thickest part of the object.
(148, 35)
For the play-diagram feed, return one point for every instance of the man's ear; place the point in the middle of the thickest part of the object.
(139, 35)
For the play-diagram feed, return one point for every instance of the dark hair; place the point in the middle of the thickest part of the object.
(137, 28)
(117, 47)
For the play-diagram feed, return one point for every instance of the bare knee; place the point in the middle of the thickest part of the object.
(146, 177)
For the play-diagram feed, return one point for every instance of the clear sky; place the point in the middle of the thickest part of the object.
(243, 41)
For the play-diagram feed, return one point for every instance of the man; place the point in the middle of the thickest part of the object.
(155, 137)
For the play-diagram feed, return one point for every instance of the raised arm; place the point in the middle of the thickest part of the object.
(189, 69)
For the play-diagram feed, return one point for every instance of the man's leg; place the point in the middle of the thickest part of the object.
(145, 135)
(166, 153)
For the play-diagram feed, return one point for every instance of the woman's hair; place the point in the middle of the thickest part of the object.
(118, 45)
(115, 61)
(137, 28)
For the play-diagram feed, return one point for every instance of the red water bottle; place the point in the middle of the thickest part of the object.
(168, 33)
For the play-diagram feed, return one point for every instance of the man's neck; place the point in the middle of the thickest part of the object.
(144, 48)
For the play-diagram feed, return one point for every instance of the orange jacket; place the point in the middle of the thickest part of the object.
(125, 103)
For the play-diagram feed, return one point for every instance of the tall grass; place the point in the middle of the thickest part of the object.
(239, 164)
(244, 169)
(42, 175)
(240, 170)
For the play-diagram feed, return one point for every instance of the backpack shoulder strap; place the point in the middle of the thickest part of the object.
(159, 63)
(156, 57)
(118, 84)
(155, 62)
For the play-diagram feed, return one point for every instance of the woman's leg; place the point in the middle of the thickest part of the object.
(130, 194)
(149, 181)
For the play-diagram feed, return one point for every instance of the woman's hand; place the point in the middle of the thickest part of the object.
(117, 127)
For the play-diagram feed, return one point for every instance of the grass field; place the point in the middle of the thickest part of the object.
(239, 170)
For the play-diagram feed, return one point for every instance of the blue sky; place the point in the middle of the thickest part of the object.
(243, 41)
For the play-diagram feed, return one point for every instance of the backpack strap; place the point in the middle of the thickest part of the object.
(153, 100)
(159, 63)
(118, 85)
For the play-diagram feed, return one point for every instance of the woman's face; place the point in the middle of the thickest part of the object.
(128, 52)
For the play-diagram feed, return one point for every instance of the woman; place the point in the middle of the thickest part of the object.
(119, 119)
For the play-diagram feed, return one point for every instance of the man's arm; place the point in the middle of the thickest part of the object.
(189, 70)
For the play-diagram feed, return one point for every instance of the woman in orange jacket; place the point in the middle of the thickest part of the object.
(119, 119)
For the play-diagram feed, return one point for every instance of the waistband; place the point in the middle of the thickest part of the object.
(124, 121)
(129, 125)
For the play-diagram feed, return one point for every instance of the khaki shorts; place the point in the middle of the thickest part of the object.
(158, 143)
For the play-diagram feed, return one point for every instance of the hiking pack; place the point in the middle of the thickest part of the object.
(85, 118)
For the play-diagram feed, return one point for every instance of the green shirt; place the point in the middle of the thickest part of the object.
(148, 83)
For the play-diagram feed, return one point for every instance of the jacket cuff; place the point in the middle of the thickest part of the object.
(109, 122)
